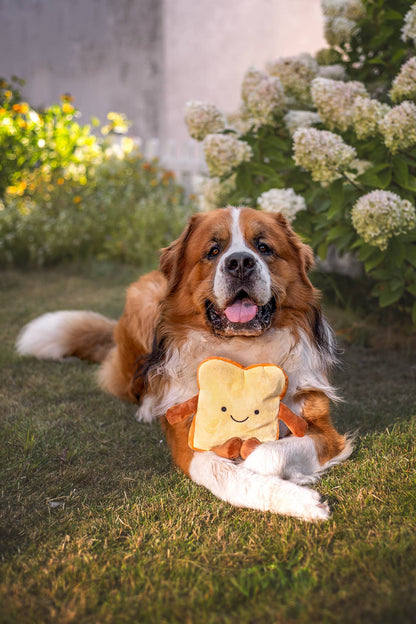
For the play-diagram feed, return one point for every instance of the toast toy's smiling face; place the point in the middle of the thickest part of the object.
(236, 402)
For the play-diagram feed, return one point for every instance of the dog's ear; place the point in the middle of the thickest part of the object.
(172, 257)
(307, 256)
(304, 251)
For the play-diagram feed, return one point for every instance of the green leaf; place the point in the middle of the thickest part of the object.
(371, 264)
(322, 250)
(412, 289)
(411, 184)
(389, 296)
(414, 313)
(411, 254)
(338, 231)
(401, 172)
(366, 251)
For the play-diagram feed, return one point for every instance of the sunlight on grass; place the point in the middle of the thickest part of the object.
(98, 527)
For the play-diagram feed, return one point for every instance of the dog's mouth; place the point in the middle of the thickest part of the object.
(242, 317)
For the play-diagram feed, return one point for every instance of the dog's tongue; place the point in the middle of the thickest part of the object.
(241, 311)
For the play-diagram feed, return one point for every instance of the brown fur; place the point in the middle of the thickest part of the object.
(163, 306)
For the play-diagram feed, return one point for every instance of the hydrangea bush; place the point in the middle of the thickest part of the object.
(66, 194)
(330, 142)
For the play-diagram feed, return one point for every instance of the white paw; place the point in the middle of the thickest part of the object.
(302, 479)
(300, 502)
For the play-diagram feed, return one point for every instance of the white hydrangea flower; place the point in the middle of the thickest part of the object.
(241, 121)
(296, 74)
(398, 127)
(409, 26)
(366, 116)
(380, 215)
(339, 30)
(332, 8)
(263, 96)
(213, 192)
(322, 153)
(295, 119)
(202, 119)
(358, 167)
(223, 152)
(334, 101)
(334, 72)
(352, 9)
(404, 85)
(285, 201)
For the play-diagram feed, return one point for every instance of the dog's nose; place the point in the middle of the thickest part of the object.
(240, 264)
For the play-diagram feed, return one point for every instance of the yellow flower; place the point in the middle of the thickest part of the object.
(67, 108)
(153, 182)
(8, 94)
(77, 199)
(60, 181)
(17, 189)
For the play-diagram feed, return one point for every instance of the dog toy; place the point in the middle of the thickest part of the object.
(237, 408)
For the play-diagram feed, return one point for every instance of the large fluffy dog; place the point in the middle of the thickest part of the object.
(233, 285)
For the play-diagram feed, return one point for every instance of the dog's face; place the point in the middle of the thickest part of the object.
(235, 272)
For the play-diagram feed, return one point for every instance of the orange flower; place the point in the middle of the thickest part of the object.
(77, 199)
(23, 107)
(60, 181)
(66, 97)
(168, 175)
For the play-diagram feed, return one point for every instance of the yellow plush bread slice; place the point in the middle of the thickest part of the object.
(236, 401)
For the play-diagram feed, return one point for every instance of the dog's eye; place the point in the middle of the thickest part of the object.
(214, 251)
(223, 409)
(263, 248)
(257, 412)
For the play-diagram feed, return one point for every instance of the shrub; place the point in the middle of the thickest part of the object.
(343, 138)
(66, 194)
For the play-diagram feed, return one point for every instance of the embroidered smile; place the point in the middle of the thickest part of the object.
(239, 421)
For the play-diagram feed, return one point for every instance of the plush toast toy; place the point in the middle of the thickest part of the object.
(237, 408)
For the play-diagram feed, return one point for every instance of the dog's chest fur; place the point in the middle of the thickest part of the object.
(299, 358)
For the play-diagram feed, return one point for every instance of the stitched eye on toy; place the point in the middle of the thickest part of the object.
(223, 409)
(257, 412)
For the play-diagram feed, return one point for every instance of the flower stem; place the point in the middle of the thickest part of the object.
(357, 186)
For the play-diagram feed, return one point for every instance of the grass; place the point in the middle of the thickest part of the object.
(96, 526)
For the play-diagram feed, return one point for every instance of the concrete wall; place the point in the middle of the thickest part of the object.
(209, 45)
(107, 53)
(147, 58)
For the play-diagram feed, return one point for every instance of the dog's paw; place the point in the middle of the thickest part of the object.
(302, 479)
(300, 502)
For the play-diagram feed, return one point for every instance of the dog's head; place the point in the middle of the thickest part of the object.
(236, 272)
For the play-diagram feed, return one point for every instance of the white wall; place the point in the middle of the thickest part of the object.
(106, 53)
(147, 58)
(209, 44)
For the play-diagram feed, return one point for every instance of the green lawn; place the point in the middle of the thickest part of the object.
(96, 525)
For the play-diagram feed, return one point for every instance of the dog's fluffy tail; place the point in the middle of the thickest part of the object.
(57, 335)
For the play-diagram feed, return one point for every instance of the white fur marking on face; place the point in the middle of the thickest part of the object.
(262, 288)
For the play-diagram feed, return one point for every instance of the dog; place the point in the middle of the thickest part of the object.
(233, 285)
